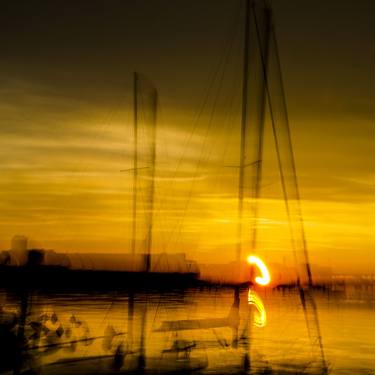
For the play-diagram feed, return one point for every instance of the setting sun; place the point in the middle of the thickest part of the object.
(265, 278)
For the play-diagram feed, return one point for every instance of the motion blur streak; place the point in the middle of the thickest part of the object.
(265, 278)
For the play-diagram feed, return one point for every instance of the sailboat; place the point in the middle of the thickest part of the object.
(138, 269)
(170, 361)
(262, 84)
(124, 357)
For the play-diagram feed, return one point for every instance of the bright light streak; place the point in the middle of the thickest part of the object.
(260, 319)
(265, 278)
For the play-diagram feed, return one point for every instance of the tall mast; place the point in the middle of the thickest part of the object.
(154, 103)
(263, 45)
(245, 83)
(135, 160)
(150, 201)
(134, 213)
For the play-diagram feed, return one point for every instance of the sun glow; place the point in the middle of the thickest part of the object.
(265, 278)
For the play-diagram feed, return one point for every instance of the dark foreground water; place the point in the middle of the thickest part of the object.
(184, 331)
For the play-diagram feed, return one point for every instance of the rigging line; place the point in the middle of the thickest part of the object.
(272, 117)
(256, 185)
(221, 80)
(153, 163)
(201, 160)
(162, 221)
(109, 307)
(311, 300)
(227, 123)
(244, 112)
(294, 173)
(135, 161)
(228, 44)
(147, 204)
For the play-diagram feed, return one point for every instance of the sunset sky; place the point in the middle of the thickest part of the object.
(66, 125)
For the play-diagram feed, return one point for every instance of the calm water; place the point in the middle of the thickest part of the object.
(275, 338)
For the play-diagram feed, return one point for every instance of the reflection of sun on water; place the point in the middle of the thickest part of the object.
(260, 319)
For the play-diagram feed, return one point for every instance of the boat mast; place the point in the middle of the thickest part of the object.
(251, 141)
(150, 209)
(134, 210)
(154, 103)
(135, 160)
(245, 83)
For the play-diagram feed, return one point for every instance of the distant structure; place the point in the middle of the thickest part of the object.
(19, 243)
(20, 255)
(19, 249)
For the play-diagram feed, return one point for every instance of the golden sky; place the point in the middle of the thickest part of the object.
(66, 127)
